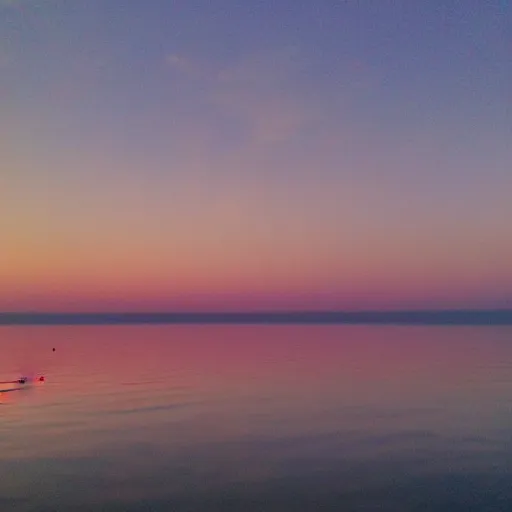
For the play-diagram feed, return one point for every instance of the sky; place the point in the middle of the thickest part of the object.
(223, 155)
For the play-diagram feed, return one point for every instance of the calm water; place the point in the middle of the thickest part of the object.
(257, 418)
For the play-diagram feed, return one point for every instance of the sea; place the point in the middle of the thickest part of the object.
(256, 418)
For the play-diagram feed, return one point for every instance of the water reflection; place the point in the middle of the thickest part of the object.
(258, 418)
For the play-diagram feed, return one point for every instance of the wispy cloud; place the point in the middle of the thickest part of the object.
(257, 93)
(186, 66)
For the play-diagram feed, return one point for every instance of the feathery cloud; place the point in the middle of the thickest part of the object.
(259, 93)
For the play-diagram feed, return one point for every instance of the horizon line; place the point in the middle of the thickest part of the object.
(462, 316)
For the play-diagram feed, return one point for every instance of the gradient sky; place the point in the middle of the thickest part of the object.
(194, 155)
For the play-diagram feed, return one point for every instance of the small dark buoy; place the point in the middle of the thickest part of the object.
(41, 379)
(53, 349)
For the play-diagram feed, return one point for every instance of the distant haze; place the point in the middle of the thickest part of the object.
(447, 317)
